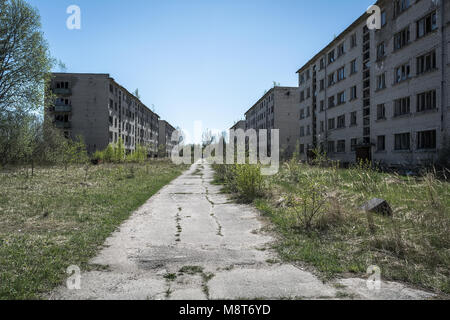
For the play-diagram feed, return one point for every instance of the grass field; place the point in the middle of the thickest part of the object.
(316, 212)
(59, 218)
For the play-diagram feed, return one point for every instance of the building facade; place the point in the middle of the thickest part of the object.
(165, 138)
(101, 111)
(239, 125)
(277, 109)
(381, 94)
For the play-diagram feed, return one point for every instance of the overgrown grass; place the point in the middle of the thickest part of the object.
(60, 218)
(317, 212)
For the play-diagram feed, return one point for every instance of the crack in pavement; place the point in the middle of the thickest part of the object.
(141, 254)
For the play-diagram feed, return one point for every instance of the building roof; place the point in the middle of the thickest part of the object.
(167, 124)
(236, 125)
(339, 38)
(267, 93)
(107, 75)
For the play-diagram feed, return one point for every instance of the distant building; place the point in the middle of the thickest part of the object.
(277, 109)
(381, 94)
(101, 111)
(165, 138)
(239, 125)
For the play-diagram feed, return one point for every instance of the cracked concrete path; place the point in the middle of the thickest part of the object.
(189, 225)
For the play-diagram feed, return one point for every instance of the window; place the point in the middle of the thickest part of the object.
(330, 146)
(402, 73)
(353, 93)
(302, 78)
(353, 144)
(331, 79)
(341, 50)
(402, 141)
(426, 101)
(110, 121)
(381, 143)
(341, 74)
(302, 131)
(302, 148)
(426, 63)
(308, 93)
(302, 96)
(426, 25)
(322, 84)
(353, 40)
(400, 6)
(353, 67)
(341, 121)
(331, 57)
(308, 130)
(402, 106)
(353, 118)
(322, 63)
(401, 38)
(381, 51)
(331, 102)
(308, 74)
(302, 114)
(322, 126)
(322, 105)
(381, 81)
(383, 18)
(62, 85)
(341, 146)
(308, 112)
(426, 139)
(111, 89)
(381, 112)
(341, 98)
(331, 124)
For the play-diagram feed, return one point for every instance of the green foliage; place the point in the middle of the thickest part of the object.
(244, 180)
(119, 151)
(24, 59)
(108, 153)
(61, 218)
(74, 152)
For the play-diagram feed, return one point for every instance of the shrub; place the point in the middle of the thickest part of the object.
(248, 181)
(108, 154)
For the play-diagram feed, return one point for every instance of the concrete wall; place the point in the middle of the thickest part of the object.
(103, 112)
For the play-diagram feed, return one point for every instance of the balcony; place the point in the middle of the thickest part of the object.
(62, 108)
(62, 125)
(62, 91)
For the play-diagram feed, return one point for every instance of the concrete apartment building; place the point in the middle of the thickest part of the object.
(100, 110)
(239, 125)
(381, 94)
(165, 138)
(277, 109)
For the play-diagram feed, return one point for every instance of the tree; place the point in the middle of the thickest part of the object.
(25, 62)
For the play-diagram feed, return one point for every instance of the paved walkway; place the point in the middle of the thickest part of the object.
(189, 225)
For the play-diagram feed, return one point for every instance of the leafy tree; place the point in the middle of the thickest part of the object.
(25, 62)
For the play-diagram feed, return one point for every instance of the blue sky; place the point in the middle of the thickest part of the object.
(206, 60)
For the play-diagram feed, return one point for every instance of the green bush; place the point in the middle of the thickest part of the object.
(248, 181)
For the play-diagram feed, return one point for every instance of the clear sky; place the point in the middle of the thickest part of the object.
(204, 60)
